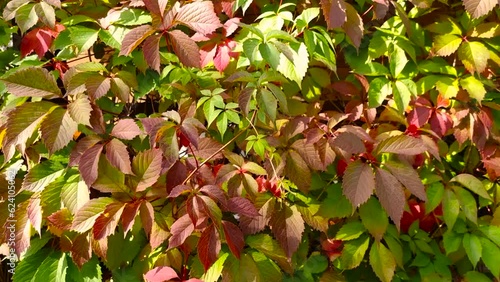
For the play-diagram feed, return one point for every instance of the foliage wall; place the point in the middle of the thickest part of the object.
(242, 140)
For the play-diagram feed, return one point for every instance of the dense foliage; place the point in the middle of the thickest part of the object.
(250, 140)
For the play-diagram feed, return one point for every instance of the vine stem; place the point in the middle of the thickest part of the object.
(216, 152)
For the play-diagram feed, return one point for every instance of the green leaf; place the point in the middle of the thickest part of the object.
(451, 208)
(266, 267)
(221, 122)
(395, 248)
(335, 204)
(245, 269)
(351, 230)
(472, 183)
(374, 218)
(26, 269)
(26, 17)
(353, 253)
(474, 87)
(446, 44)
(32, 82)
(109, 179)
(468, 203)
(474, 55)
(492, 232)
(270, 54)
(297, 70)
(42, 175)
(435, 193)
(448, 87)
(268, 103)
(83, 37)
(146, 167)
(90, 271)
(474, 276)
(382, 262)
(86, 216)
(397, 61)
(402, 94)
(490, 255)
(473, 248)
(316, 263)
(53, 268)
(380, 88)
(75, 193)
(451, 241)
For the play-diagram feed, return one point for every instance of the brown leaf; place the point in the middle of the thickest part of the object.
(208, 147)
(97, 85)
(199, 16)
(334, 12)
(244, 99)
(83, 145)
(151, 49)
(358, 183)
(97, 120)
(234, 238)
(81, 250)
(255, 224)
(156, 7)
(134, 37)
(391, 195)
(209, 246)
(242, 206)
(57, 129)
(287, 226)
(401, 144)
(130, 211)
(347, 144)
(298, 171)
(106, 223)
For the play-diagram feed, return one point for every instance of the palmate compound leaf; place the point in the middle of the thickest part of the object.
(199, 16)
(287, 227)
(32, 82)
(401, 144)
(21, 123)
(408, 177)
(391, 194)
(57, 129)
(478, 8)
(334, 12)
(358, 183)
(87, 215)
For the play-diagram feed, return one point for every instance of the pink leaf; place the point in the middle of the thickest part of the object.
(83, 145)
(98, 85)
(134, 37)
(156, 7)
(117, 155)
(151, 49)
(199, 16)
(89, 162)
(160, 274)
(126, 129)
(57, 129)
(242, 206)
(334, 12)
(35, 214)
(181, 229)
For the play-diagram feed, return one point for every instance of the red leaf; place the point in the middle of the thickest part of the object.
(176, 175)
(216, 193)
(88, 164)
(117, 155)
(147, 216)
(287, 226)
(347, 144)
(391, 195)
(242, 206)
(160, 274)
(401, 144)
(334, 12)
(254, 224)
(156, 7)
(199, 16)
(440, 123)
(61, 219)
(81, 251)
(134, 37)
(178, 190)
(196, 209)
(208, 148)
(83, 145)
(106, 223)
(128, 216)
(234, 238)
(181, 229)
(185, 48)
(39, 40)
(209, 246)
(224, 54)
(126, 129)
(408, 177)
(358, 183)
(151, 49)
